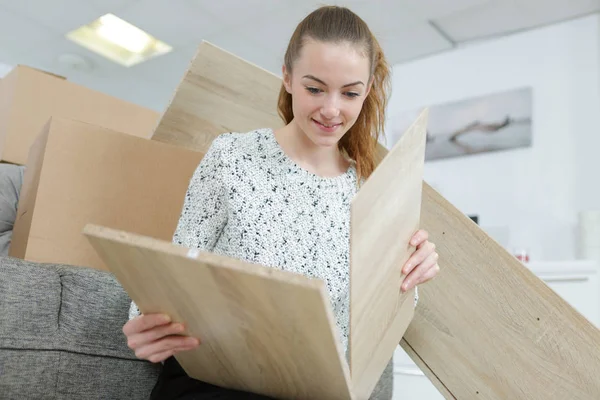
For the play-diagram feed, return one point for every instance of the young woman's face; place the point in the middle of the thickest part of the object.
(328, 84)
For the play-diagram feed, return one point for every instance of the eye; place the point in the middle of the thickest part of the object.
(314, 90)
(352, 94)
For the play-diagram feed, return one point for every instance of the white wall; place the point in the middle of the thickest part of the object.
(4, 69)
(536, 192)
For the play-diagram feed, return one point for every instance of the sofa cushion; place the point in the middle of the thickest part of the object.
(31, 300)
(88, 377)
(63, 325)
(94, 309)
(27, 374)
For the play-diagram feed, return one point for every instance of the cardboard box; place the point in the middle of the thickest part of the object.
(78, 173)
(29, 97)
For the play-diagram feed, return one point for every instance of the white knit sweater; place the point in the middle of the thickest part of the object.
(250, 201)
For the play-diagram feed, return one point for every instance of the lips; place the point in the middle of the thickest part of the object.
(327, 125)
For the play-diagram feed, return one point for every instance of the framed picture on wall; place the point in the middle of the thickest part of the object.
(495, 122)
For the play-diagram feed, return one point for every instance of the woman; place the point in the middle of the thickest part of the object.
(282, 198)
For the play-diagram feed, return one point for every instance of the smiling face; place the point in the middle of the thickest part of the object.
(329, 84)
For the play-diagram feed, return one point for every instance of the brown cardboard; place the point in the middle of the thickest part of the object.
(29, 97)
(80, 173)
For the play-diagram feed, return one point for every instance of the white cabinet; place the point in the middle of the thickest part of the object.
(575, 281)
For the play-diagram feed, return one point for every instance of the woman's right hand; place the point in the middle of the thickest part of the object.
(155, 338)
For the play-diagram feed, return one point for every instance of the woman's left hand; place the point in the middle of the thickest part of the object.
(422, 265)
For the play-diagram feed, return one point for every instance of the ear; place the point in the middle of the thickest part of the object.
(287, 79)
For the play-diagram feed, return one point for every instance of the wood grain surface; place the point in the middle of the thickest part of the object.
(385, 215)
(475, 332)
(263, 330)
(219, 93)
(488, 328)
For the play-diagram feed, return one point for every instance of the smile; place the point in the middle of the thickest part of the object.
(326, 125)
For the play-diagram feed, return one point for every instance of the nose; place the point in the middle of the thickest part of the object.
(330, 108)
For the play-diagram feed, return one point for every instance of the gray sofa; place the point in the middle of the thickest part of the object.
(61, 337)
(61, 326)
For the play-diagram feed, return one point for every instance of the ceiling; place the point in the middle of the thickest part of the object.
(32, 32)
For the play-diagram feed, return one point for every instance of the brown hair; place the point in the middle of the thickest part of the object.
(332, 24)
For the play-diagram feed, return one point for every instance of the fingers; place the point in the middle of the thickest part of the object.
(166, 345)
(429, 274)
(144, 322)
(419, 237)
(162, 356)
(154, 339)
(418, 257)
(426, 270)
(137, 340)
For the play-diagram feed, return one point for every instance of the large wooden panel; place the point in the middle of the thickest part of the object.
(385, 215)
(488, 328)
(219, 93)
(263, 330)
(475, 332)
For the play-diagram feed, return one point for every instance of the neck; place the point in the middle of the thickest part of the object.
(319, 160)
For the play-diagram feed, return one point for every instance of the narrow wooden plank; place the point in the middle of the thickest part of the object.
(219, 93)
(488, 328)
(385, 214)
(263, 330)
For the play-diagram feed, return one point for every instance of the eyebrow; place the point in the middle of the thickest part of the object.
(314, 78)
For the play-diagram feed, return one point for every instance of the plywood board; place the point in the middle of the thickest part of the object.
(475, 331)
(488, 328)
(219, 93)
(275, 318)
(263, 330)
(385, 215)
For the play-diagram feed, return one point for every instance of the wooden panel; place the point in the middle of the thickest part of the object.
(219, 93)
(475, 332)
(385, 215)
(263, 330)
(488, 328)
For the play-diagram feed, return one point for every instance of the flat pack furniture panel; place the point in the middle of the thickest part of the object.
(79, 173)
(385, 215)
(477, 307)
(488, 328)
(273, 331)
(219, 93)
(29, 97)
(263, 330)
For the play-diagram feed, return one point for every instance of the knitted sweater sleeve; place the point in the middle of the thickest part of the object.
(204, 211)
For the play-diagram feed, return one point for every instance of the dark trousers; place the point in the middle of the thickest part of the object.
(173, 383)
